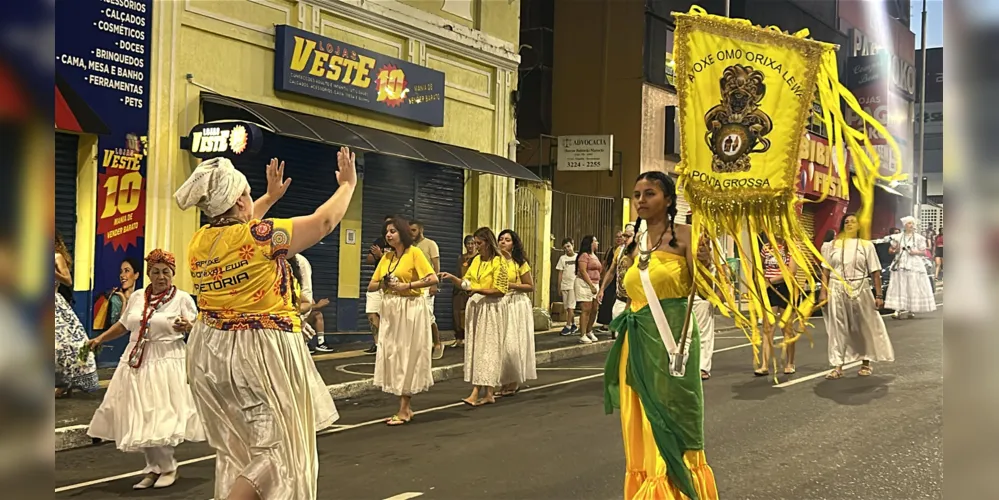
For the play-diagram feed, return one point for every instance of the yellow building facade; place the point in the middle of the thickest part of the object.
(227, 48)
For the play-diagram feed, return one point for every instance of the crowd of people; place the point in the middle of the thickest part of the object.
(231, 364)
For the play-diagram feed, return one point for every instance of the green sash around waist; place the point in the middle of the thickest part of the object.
(673, 405)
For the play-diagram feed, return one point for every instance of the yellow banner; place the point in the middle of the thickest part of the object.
(745, 95)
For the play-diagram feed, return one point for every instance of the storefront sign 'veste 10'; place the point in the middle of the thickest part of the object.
(230, 139)
(586, 152)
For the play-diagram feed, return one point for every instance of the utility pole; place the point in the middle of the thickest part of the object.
(918, 181)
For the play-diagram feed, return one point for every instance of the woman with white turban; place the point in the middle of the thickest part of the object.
(909, 289)
(254, 384)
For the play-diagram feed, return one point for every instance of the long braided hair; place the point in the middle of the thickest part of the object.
(668, 187)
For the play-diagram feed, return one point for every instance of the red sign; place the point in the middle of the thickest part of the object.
(121, 198)
(816, 158)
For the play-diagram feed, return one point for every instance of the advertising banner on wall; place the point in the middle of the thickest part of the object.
(103, 50)
(582, 153)
(324, 68)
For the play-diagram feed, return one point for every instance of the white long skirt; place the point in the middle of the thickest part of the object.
(402, 363)
(485, 320)
(855, 328)
(910, 290)
(149, 406)
(262, 402)
(704, 318)
(519, 361)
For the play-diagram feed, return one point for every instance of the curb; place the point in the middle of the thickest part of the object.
(75, 436)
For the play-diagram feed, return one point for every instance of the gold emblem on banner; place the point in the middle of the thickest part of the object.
(737, 126)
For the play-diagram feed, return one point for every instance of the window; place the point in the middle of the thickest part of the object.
(814, 124)
(670, 70)
(658, 51)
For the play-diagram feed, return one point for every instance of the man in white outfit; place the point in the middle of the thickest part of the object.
(432, 251)
(704, 315)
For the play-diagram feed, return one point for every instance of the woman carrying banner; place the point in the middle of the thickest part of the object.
(148, 406)
(253, 380)
(662, 412)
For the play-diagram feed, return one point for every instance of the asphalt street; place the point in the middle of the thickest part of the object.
(878, 437)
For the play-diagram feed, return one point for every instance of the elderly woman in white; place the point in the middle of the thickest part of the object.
(254, 383)
(909, 289)
(148, 406)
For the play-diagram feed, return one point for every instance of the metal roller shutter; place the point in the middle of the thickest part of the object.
(431, 193)
(312, 168)
(440, 199)
(66, 150)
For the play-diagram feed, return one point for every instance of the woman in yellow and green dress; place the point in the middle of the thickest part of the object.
(662, 416)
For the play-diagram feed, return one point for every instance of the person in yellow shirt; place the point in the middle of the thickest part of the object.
(519, 361)
(402, 363)
(487, 281)
(253, 381)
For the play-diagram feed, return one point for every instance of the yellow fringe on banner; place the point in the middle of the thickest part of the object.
(745, 93)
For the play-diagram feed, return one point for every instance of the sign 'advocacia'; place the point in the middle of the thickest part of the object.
(745, 95)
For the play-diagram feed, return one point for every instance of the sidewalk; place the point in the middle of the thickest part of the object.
(347, 373)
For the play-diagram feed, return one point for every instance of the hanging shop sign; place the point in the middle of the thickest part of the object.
(585, 152)
(324, 68)
(902, 73)
(818, 168)
(102, 67)
(229, 139)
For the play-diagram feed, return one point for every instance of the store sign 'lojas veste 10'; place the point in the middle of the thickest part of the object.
(324, 68)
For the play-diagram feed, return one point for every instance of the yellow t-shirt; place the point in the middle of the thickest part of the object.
(517, 270)
(412, 266)
(491, 274)
(241, 277)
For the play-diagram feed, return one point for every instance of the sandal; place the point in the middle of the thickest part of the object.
(705, 375)
(761, 373)
(397, 420)
(835, 374)
(789, 370)
(866, 371)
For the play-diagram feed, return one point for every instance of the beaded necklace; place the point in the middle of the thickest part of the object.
(151, 304)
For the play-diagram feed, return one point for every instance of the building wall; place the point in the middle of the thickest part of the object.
(597, 86)
(227, 47)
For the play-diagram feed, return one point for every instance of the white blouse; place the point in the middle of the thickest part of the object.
(914, 241)
(853, 258)
(161, 322)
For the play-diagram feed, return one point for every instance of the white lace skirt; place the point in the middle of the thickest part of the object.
(855, 328)
(486, 319)
(910, 290)
(405, 342)
(151, 405)
(262, 402)
(519, 363)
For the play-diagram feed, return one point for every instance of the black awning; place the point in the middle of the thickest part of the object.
(325, 130)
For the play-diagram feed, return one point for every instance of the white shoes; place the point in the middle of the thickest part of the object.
(156, 481)
(588, 338)
(593, 337)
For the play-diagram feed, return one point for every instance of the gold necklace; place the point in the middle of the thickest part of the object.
(645, 255)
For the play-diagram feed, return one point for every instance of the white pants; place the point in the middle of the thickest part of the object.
(704, 315)
(159, 460)
(619, 306)
(430, 308)
(373, 302)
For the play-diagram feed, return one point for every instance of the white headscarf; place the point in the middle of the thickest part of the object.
(908, 218)
(214, 187)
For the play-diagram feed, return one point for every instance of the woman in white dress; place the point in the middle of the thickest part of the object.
(254, 383)
(519, 360)
(487, 281)
(855, 328)
(148, 406)
(909, 289)
(402, 362)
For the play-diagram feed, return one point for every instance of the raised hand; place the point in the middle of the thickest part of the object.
(277, 185)
(346, 167)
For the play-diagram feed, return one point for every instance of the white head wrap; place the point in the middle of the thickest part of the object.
(214, 187)
(908, 218)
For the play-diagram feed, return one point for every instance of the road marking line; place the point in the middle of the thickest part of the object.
(343, 369)
(405, 496)
(816, 375)
(570, 368)
(740, 346)
(334, 430)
